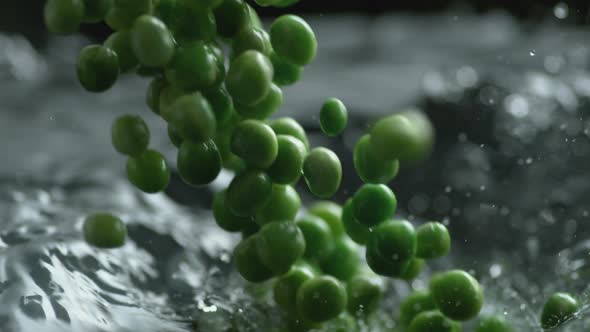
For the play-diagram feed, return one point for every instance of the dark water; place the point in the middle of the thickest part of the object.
(509, 176)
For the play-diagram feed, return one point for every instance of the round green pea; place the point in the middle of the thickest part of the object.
(286, 287)
(285, 73)
(373, 203)
(148, 171)
(385, 267)
(322, 172)
(224, 218)
(198, 163)
(433, 240)
(331, 213)
(231, 16)
(124, 13)
(289, 126)
(193, 117)
(364, 295)
(97, 68)
(104, 230)
(249, 78)
(293, 39)
(193, 67)
(264, 108)
(343, 260)
(174, 136)
(194, 21)
(120, 42)
(286, 169)
(457, 295)
(169, 94)
(63, 16)
(414, 304)
(318, 236)
(249, 263)
(493, 324)
(559, 308)
(430, 321)
(393, 240)
(151, 41)
(251, 38)
(358, 232)
(370, 167)
(152, 96)
(283, 205)
(221, 103)
(407, 137)
(333, 117)
(249, 192)
(255, 142)
(96, 10)
(413, 269)
(280, 244)
(321, 299)
(130, 135)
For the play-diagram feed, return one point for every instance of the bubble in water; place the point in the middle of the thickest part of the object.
(532, 52)
(561, 10)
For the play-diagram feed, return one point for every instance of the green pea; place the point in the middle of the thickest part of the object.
(130, 135)
(393, 240)
(343, 260)
(293, 39)
(321, 299)
(255, 142)
(383, 266)
(559, 308)
(264, 108)
(231, 17)
(373, 203)
(249, 192)
(358, 232)
(457, 294)
(249, 78)
(125, 12)
(430, 321)
(152, 96)
(286, 287)
(152, 43)
(97, 68)
(193, 117)
(286, 169)
(148, 171)
(168, 96)
(120, 42)
(96, 10)
(322, 172)
(174, 136)
(63, 16)
(285, 73)
(193, 21)
(280, 244)
(318, 236)
(333, 117)
(370, 167)
(223, 216)
(494, 324)
(193, 67)
(433, 240)
(104, 230)
(221, 103)
(251, 38)
(283, 205)
(289, 126)
(198, 163)
(331, 213)
(413, 269)
(248, 262)
(416, 303)
(364, 295)
(407, 137)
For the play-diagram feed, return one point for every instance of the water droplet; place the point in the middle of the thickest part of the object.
(495, 271)
(561, 10)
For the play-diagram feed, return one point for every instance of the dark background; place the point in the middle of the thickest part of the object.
(25, 16)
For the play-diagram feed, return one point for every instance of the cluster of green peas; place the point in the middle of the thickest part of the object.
(218, 118)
